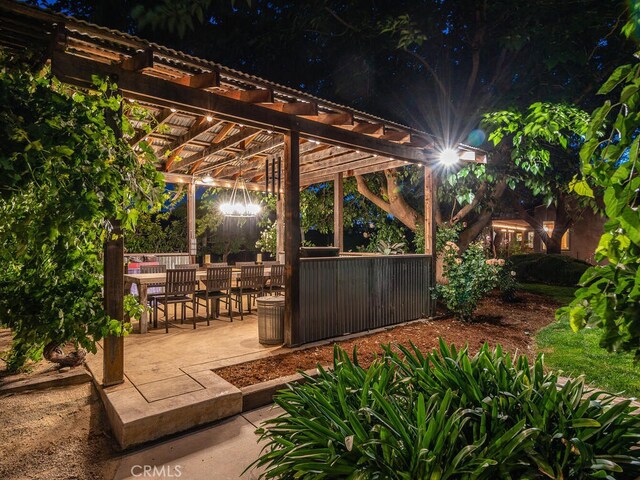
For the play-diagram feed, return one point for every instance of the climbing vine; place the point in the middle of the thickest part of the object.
(65, 174)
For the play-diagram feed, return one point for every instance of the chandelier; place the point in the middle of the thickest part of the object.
(240, 204)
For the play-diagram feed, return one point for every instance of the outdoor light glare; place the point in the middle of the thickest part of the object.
(226, 208)
(449, 156)
(240, 203)
(207, 179)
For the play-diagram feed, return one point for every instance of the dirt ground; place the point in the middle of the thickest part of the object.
(513, 325)
(64, 433)
(59, 433)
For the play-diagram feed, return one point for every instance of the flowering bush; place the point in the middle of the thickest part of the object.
(470, 277)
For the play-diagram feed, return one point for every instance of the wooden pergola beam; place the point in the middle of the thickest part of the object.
(326, 176)
(338, 211)
(293, 108)
(259, 167)
(252, 152)
(161, 118)
(199, 80)
(216, 147)
(342, 163)
(396, 136)
(342, 118)
(323, 154)
(220, 136)
(374, 129)
(183, 179)
(138, 61)
(200, 126)
(258, 95)
(76, 70)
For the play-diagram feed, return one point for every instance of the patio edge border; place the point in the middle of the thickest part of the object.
(261, 394)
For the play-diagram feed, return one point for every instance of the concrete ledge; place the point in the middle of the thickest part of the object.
(136, 420)
(261, 394)
(75, 376)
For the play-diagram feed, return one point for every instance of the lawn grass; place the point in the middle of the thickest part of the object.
(580, 353)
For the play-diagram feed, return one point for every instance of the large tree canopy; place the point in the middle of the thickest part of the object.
(610, 293)
(437, 65)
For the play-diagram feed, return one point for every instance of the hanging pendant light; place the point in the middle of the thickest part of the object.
(240, 204)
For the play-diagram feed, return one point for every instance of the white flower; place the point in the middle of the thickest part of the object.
(513, 274)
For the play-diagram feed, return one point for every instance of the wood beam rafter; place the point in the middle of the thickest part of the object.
(338, 162)
(342, 118)
(293, 108)
(373, 129)
(138, 61)
(200, 126)
(325, 176)
(75, 70)
(259, 167)
(257, 95)
(199, 80)
(396, 136)
(244, 133)
(161, 118)
(220, 136)
(252, 152)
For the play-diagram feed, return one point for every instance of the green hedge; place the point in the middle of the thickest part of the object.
(549, 269)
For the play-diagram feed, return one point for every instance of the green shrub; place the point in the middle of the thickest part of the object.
(470, 276)
(548, 268)
(447, 415)
(507, 283)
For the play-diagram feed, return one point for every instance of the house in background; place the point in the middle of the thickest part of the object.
(512, 235)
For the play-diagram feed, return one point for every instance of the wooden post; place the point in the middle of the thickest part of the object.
(279, 227)
(113, 271)
(113, 359)
(292, 237)
(430, 230)
(338, 212)
(192, 247)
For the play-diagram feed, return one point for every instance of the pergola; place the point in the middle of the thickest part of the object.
(210, 120)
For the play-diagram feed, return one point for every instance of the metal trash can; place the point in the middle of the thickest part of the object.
(270, 320)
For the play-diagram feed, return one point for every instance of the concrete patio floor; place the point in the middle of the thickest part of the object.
(169, 383)
(221, 451)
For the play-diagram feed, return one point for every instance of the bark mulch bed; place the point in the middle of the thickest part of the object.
(513, 325)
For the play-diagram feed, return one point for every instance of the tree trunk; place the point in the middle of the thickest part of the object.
(564, 220)
(396, 206)
(53, 352)
(470, 233)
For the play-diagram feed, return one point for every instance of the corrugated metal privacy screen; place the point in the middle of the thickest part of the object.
(347, 295)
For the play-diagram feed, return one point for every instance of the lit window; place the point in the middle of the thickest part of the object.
(530, 236)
